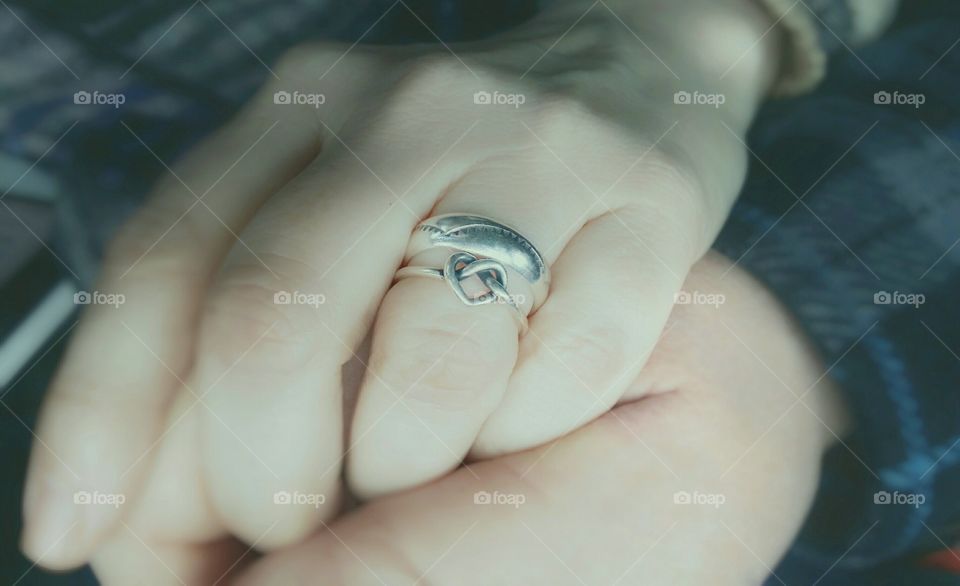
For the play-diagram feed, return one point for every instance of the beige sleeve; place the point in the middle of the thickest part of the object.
(815, 28)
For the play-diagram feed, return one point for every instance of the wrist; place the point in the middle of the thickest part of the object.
(728, 47)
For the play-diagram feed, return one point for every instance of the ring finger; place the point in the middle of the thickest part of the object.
(438, 368)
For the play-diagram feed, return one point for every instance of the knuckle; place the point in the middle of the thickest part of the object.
(557, 116)
(412, 93)
(673, 195)
(308, 58)
(671, 171)
(249, 319)
(443, 370)
(294, 61)
(431, 71)
(677, 232)
(426, 86)
(335, 76)
(663, 203)
(150, 245)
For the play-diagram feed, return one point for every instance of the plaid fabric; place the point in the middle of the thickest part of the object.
(834, 22)
(180, 69)
(869, 263)
(183, 68)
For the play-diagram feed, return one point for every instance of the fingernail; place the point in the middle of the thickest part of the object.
(50, 516)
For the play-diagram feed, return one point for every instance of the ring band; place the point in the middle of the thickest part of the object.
(483, 248)
(497, 291)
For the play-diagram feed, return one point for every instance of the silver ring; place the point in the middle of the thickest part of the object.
(483, 248)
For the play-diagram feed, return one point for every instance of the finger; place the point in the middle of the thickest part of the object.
(597, 507)
(131, 558)
(613, 290)
(186, 543)
(436, 372)
(287, 311)
(438, 367)
(107, 402)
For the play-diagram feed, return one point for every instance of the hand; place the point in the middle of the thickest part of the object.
(705, 480)
(208, 390)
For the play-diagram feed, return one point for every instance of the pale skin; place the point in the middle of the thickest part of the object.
(217, 397)
(717, 411)
(732, 403)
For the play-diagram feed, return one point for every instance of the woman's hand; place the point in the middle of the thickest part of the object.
(257, 268)
(704, 480)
